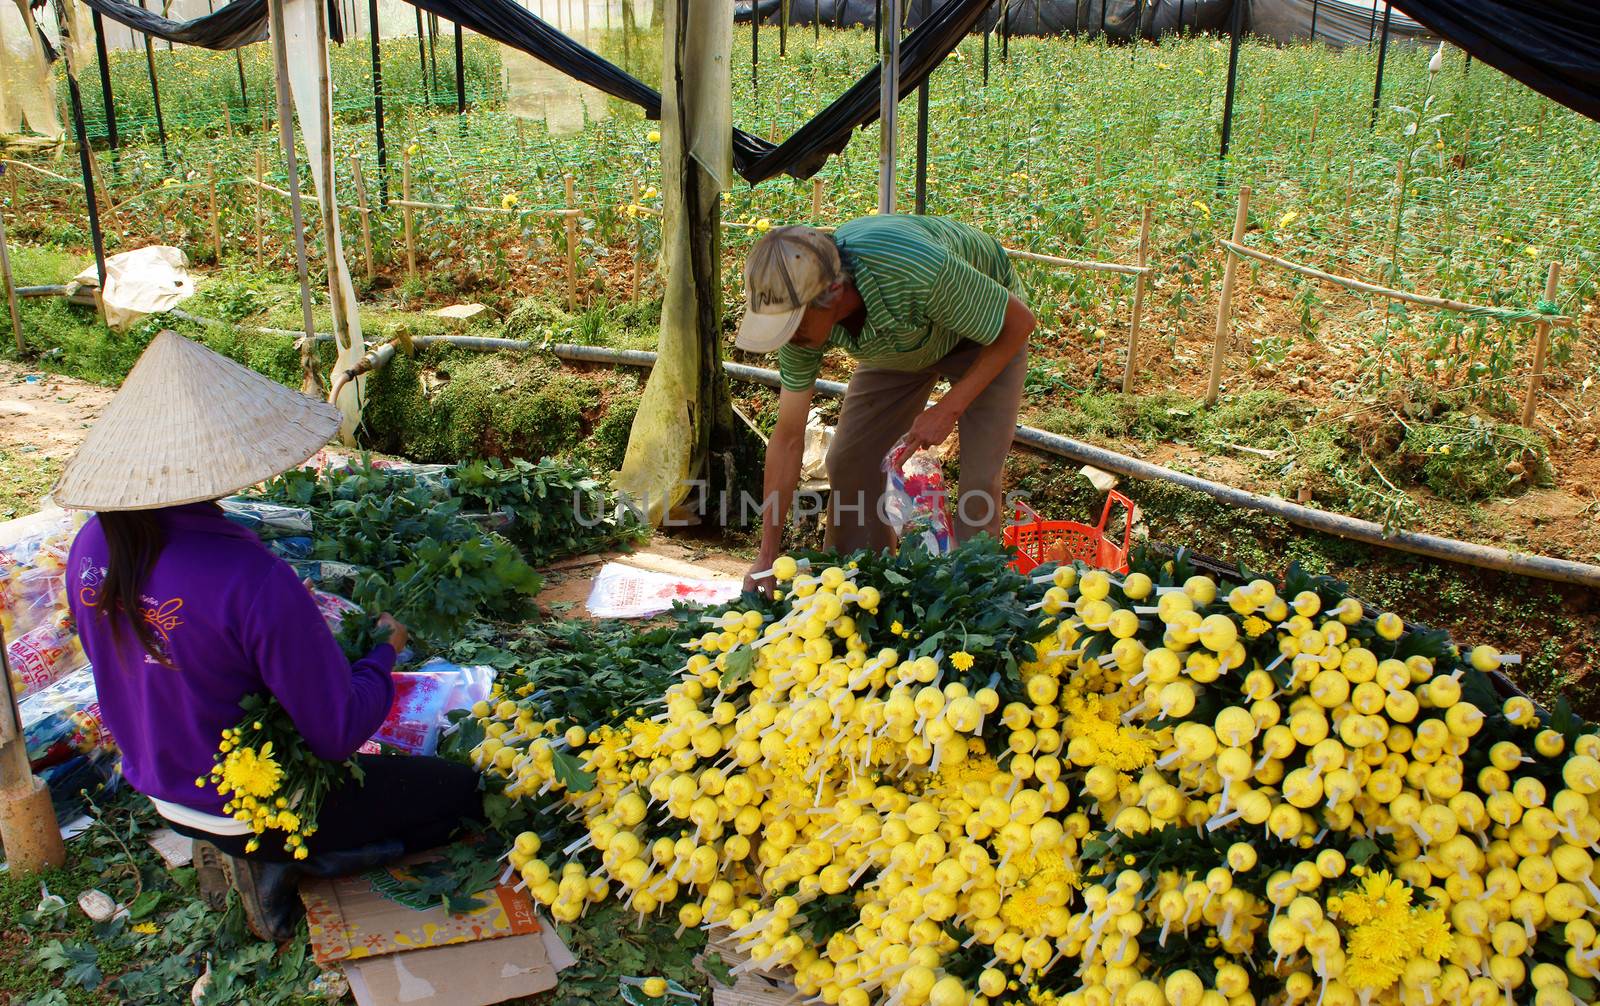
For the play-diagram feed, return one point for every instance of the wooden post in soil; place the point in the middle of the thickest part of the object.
(1316, 110)
(405, 214)
(816, 199)
(1541, 346)
(28, 830)
(571, 223)
(216, 219)
(10, 284)
(227, 118)
(366, 217)
(261, 248)
(638, 238)
(100, 190)
(1225, 303)
(1349, 188)
(1138, 305)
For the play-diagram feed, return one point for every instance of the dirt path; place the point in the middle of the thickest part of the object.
(43, 419)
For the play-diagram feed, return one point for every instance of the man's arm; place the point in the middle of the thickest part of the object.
(934, 425)
(784, 453)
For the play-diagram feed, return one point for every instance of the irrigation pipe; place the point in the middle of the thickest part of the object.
(1432, 546)
(1338, 525)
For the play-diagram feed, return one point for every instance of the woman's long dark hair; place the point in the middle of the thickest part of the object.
(134, 539)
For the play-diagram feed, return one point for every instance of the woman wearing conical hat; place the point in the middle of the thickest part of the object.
(184, 613)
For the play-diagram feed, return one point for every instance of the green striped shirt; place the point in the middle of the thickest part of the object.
(927, 284)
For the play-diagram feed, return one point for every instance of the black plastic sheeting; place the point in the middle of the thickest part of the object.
(1553, 46)
(240, 23)
(1123, 18)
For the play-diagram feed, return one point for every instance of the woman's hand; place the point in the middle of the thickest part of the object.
(399, 636)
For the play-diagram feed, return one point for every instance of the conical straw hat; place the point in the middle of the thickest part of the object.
(191, 425)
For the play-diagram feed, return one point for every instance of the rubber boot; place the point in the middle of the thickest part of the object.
(212, 875)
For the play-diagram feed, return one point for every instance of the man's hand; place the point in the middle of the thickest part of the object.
(763, 584)
(398, 634)
(932, 428)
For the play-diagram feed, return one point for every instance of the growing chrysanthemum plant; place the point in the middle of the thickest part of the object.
(271, 780)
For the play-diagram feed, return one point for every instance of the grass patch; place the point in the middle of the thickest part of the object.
(1465, 458)
(25, 478)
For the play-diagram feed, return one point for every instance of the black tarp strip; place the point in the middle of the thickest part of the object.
(240, 23)
(504, 21)
(1553, 46)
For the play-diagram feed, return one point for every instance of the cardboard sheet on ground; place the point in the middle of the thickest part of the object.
(622, 591)
(140, 283)
(380, 912)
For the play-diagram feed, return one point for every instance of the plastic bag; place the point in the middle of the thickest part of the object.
(41, 643)
(64, 718)
(421, 700)
(268, 520)
(914, 497)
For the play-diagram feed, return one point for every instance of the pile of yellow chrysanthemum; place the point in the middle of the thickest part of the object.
(1209, 797)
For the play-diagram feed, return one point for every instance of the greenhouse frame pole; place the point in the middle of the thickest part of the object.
(755, 43)
(877, 26)
(1005, 31)
(888, 103)
(922, 133)
(84, 162)
(105, 79)
(1315, 4)
(422, 47)
(1236, 31)
(1383, 52)
(377, 106)
(461, 77)
(155, 91)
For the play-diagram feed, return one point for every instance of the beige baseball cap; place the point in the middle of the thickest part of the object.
(787, 269)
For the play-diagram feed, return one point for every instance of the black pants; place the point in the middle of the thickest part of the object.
(409, 802)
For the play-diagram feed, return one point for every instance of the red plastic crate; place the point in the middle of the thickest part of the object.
(1039, 541)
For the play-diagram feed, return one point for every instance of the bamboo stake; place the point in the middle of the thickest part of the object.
(816, 199)
(417, 204)
(1138, 305)
(1225, 302)
(638, 240)
(572, 248)
(11, 291)
(1541, 345)
(216, 220)
(16, 199)
(101, 190)
(227, 117)
(40, 171)
(366, 218)
(1074, 263)
(405, 214)
(260, 238)
(1360, 286)
(1315, 111)
(1349, 188)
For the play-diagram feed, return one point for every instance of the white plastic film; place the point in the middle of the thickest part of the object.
(27, 87)
(695, 131)
(307, 50)
(535, 90)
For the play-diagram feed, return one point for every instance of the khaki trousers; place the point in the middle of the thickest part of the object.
(879, 407)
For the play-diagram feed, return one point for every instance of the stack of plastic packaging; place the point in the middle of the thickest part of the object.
(41, 641)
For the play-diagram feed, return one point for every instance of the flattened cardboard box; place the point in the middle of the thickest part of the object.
(474, 974)
(378, 912)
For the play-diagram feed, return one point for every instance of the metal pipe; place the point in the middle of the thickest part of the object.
(1383, 52)
(85, 163)
(106, 98)
(1233, 77)
(461, 76)
(377, 105)
(888, 105)
(922, 133)
(155, 93)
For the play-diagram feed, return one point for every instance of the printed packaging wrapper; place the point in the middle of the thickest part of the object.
(268, 520)
(914, 498)
(63, 719)
(421, 700)
(41, 642)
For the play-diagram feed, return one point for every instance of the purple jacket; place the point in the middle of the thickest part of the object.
(232, 619)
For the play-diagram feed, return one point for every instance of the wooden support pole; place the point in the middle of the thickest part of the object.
(816, 199)
(10, 284)
(227, 118)
(101, 189)
(571, 223)
(1225, 302)
(406, 215)
(638, 239)
(1316, 110)
(366, 217)
(1541, 346)
(1138, 305)
(16, 192)
(260, 237)
(216, 219)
